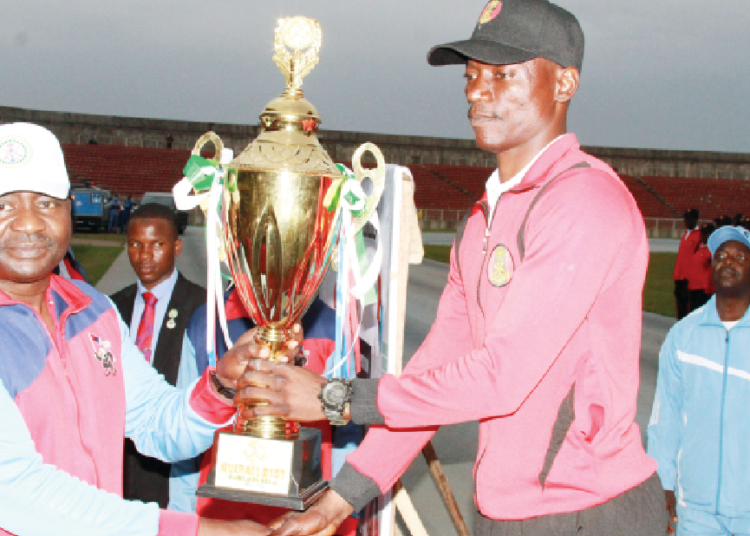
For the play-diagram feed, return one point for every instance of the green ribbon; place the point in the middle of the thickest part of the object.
(333, 197)
(331, 202)
(200, 172)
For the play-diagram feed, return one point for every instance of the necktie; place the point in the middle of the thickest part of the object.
(146, 328)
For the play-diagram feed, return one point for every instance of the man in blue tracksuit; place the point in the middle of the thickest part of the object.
(699, 432)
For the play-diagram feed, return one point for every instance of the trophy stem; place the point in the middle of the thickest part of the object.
(275, 338)
(268, 428)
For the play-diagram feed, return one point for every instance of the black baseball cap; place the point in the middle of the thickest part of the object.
(515, 31)
(691, 213)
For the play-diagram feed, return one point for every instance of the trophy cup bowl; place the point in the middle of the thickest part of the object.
(279, 236)
(279, 239)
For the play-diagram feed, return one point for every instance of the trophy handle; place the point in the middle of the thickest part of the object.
(376, 175)
(212, 137)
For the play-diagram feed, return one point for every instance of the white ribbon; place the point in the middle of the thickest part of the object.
(210, 202)
(366, 281)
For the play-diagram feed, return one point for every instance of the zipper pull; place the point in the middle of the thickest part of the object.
(486, 237)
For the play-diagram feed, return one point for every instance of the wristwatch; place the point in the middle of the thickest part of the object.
(335, 396)
(222, 389)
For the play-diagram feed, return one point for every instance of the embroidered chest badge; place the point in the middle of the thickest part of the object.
(501, 267)
(103, 355)
(491, 10)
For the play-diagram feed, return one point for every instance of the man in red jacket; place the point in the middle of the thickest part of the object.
(688, 245)
(698, 270)
(537, 334)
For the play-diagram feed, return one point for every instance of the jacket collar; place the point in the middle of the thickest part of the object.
(66, 295)
(234, 306)
(539, 172)
(710, 315)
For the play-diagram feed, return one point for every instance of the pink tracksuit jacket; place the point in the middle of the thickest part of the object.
(67, 399)
(530, 343)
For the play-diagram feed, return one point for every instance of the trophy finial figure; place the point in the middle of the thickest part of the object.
(297, 46)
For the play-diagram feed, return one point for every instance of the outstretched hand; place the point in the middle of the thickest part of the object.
(234, 363)
(288, 391)
(321, 519)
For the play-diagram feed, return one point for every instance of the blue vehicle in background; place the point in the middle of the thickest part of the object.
(90, 206)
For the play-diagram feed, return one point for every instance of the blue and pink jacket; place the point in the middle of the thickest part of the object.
(67, 400)
(540, 346)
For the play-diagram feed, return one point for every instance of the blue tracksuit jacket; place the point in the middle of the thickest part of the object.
(699, 432)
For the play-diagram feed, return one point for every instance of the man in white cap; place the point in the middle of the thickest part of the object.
(73, 384)
(537, 334)
(699, 431)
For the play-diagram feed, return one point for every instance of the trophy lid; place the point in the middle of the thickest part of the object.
(288, 140)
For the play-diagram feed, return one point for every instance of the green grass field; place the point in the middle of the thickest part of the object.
(657, 294)
(96, 260)
(103, 237)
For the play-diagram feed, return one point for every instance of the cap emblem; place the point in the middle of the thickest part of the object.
(14, 152)
(491, 10)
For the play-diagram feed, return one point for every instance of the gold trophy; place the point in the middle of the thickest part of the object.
(279, 238)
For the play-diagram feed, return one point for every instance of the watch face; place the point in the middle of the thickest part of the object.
(334, 393)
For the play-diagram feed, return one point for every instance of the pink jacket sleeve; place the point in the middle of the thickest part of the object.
(394, 450)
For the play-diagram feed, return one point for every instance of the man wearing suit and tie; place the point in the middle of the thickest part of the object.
(158, 307)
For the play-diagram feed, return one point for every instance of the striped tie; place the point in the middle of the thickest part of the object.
(146, 327)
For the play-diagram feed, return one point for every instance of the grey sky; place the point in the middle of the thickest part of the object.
(663, 74)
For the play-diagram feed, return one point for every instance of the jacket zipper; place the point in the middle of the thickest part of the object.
(721, 421)
(484, 255)
(479, 303)
(58, 340)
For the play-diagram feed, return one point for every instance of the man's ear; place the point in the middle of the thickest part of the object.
(568, 79)
(177, 247)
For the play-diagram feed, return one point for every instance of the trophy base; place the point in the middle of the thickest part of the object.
(272, 472)
(300, 503)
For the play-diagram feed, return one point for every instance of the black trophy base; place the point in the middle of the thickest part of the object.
(305, 485)
(300, 503)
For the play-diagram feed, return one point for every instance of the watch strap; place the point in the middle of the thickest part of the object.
(222, 389)
(334, 417)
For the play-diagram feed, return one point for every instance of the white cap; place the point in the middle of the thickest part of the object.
(31, 160)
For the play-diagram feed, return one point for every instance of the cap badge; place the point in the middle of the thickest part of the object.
(500, 268)
(14, 152)
(491, 10)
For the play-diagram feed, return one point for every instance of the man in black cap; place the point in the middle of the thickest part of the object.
(537, 334)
